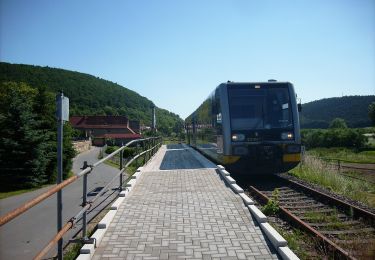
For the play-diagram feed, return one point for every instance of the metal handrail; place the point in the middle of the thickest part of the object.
(87, 205)
(85, 208)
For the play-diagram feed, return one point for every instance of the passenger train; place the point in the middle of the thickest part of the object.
(250, 128)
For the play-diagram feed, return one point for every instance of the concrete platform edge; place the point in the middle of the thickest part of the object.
(87, 251)
(278, 242)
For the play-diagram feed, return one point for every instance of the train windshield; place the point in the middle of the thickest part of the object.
(259, 107)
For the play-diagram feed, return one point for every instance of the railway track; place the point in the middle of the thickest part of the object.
(344, 230)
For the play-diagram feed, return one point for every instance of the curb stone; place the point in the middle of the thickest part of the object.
(278, 242)
(88, 250)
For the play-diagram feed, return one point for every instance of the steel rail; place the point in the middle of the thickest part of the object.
(357, 211)
(338, 252)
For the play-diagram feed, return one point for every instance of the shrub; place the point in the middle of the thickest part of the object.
(333, 137)
(272, 206)
(338, 123)
(111, 149)
(129, 152)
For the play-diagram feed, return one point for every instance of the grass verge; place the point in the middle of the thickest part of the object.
(323, 174)
(299, 242)
(7, 194)
(111, 163)
(72, 250)
(343, 154)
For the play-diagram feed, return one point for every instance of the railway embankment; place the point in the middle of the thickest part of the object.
(352, 186)
(319, 210)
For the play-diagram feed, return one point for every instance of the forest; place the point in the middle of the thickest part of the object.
(353, 109)
(89, 95)
(28, 133)
(28, 124)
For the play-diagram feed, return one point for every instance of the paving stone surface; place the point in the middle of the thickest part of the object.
(183, 214)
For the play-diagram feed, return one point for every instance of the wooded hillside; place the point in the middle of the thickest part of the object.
(353, 109)
(91, 95)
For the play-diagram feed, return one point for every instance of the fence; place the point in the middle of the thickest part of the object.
(340, 166)
(146, 148)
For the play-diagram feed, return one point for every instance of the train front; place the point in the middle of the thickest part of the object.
(264, 127)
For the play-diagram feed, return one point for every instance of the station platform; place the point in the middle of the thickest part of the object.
(180, 208)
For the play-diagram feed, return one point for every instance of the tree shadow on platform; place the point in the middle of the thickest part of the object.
(174, 146)
(179, 159)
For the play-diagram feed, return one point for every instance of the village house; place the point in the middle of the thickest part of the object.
(116, 130)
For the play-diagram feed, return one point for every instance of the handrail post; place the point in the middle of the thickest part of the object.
(144, 149)
(121, 175)
(149, 152)
(84, 202)
(148, 148)
(136, 160)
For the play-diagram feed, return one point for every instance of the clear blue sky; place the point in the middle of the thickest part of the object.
(176, 52)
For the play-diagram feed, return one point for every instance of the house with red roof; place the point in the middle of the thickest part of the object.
(116, 130)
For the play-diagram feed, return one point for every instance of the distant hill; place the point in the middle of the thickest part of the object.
(353, 109)
(91, 95)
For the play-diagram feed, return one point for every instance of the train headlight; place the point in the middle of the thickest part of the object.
(238, 137)
(287, 136)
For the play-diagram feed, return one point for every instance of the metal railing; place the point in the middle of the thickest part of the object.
(149, 147)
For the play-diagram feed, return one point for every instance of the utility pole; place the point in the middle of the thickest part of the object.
(62, 114)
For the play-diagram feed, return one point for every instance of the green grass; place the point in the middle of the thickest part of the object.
(73, 252)
(130, 169)
(323, 174)
(111, 163)
(7, 194)
(343, 154)
(294, 238)
(332, 218)
(272, 206)
(173, 140)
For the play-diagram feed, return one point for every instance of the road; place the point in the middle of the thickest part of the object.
(25, 236)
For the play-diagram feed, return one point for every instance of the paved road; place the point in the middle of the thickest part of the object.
(181, 209)
(23, 237)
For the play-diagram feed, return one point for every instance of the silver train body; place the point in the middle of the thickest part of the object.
(248, 127)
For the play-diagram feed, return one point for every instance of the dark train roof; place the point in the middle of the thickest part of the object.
(246, 83)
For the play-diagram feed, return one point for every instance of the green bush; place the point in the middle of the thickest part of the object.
(272, 207)
(338, 123)
(129, 152)
(334, 137)
(111, 149)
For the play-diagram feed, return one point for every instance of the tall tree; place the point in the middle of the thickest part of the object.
(371, 112)
(22, 153)
(338, 123)
(28, 137)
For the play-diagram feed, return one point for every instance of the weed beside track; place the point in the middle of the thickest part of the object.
(340, 228)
